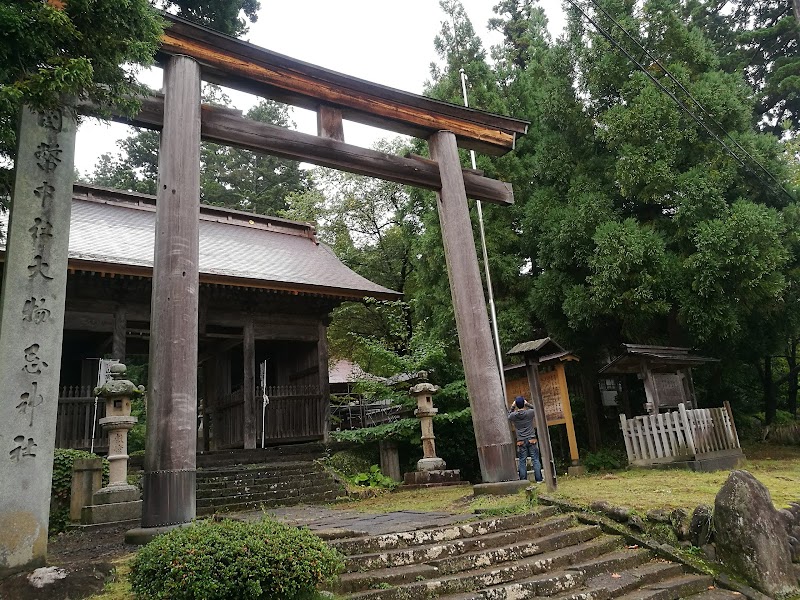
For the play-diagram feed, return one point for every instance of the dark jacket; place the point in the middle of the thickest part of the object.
(523, 423)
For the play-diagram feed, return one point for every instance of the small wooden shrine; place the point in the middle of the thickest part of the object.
(674, 432)
(665, 371)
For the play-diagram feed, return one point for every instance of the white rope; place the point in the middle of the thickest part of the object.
(264, 401)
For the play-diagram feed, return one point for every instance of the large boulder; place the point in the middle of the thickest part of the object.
(750, 536)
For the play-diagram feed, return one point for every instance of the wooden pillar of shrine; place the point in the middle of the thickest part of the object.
(251, 413)
(496, 450)
(170, 457)
(119, 336)
(324, 377)
(563, 389)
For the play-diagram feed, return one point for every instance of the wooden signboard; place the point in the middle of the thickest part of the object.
(555, 395)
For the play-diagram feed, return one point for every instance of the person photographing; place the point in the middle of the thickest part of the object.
(521, 415)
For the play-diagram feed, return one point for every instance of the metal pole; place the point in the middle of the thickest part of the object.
(492, 312)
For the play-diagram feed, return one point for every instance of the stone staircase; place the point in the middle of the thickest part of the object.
(536, 555)
(251, 479)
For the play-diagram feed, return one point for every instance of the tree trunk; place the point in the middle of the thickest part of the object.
(590, 393)
(770, 398)
(792, 362)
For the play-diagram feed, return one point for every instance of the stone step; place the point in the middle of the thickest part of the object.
(416, 581)
(270, 469)
(574, 578)
(427, 552)
(655, 571)
(516, 551)
(227, 484)
(410, 539)
(244, 504)
(289, 452)
(717, 594)
(235, 496)
(540, 586)
(620, 560)
(671, 589)
(258, 487)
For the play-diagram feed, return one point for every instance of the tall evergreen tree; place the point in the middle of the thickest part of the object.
(761, 39)
(229, 177)
(88, 49)
(226, 16)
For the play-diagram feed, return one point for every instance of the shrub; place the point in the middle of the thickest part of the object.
(353, 461)
(231, 559)
(605, 459)
(374, 478)
(62, 486)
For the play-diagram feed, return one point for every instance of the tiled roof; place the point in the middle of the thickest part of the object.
(113, 230)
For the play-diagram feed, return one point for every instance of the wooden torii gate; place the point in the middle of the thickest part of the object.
(189, 54)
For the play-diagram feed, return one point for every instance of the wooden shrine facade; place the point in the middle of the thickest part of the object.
(665, 371)
(261, 299)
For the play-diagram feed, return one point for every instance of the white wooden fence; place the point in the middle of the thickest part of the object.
(685, 434)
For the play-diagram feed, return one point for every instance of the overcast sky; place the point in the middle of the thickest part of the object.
(390, 43)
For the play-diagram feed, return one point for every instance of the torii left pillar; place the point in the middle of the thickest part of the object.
(171, 446)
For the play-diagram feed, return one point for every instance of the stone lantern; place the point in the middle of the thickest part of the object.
(118, 501)
(431, 470)
(423, 393)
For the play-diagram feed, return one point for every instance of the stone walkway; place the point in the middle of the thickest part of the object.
(348, 523)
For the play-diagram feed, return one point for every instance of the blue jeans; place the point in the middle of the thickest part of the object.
(524, 450)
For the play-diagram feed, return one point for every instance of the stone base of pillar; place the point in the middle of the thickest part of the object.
(431, 464)
(576, 471)
(116, 493)
(113, 504)
(113, 512)
(428, 478)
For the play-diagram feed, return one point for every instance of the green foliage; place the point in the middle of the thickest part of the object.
(229, 177)
(455, 439)
(400, 430)
(353, 461)
(782, 417)
(62, 486)
(663, 533)
(232, 559)
(374, 478)
(223, 15)
(91, 49)
(605, 459)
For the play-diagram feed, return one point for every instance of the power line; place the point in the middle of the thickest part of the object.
(605, 33)
(690, 96)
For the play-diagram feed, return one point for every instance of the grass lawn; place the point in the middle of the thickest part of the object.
(777, 467)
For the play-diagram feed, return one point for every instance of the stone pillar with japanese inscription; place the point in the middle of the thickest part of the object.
(31, 330)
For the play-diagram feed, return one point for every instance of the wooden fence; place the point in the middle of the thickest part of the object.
(294, 412)
(682, 435)
(74, 420)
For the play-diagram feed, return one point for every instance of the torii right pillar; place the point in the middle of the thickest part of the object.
(496, 450)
